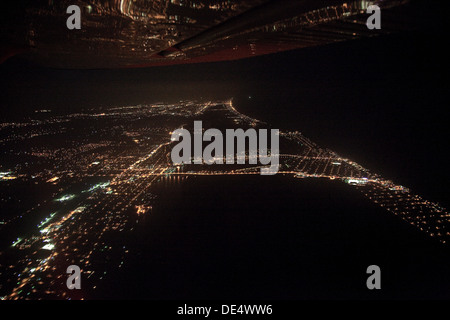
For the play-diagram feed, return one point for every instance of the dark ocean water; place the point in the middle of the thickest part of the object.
(277, 237)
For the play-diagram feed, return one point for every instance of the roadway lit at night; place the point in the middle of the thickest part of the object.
(95, 187)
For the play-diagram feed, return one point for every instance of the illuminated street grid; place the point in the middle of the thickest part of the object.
(95, 169)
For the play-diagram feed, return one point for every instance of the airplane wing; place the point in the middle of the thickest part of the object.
(144, 33)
